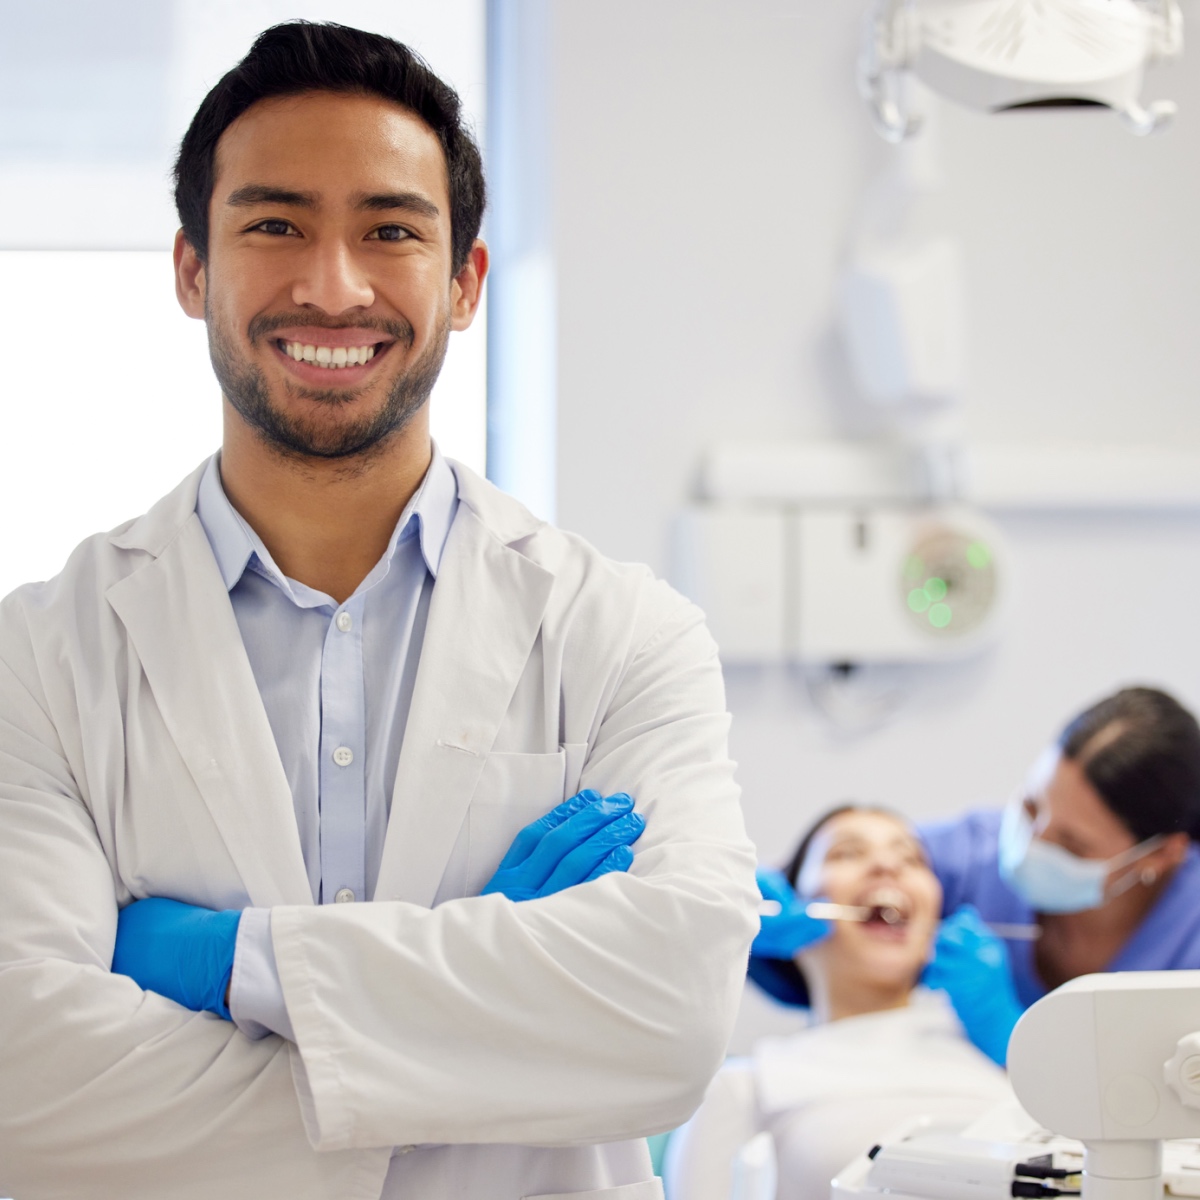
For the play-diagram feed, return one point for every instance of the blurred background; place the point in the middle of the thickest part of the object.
(678, 187)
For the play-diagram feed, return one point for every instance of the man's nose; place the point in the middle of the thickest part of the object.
(332, 280)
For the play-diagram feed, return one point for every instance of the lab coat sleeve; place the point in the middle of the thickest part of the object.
(105, 1090)
(593, 1015)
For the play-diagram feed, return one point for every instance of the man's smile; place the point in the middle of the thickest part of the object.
(325, 356)
(315, 353)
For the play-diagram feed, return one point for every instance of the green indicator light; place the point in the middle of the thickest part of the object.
(978, 555)
(940, 615)
(935, 589)
(918, 601)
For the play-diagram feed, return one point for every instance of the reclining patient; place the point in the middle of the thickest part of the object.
(880, 1048)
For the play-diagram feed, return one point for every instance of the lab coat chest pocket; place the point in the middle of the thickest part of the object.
(513, 790)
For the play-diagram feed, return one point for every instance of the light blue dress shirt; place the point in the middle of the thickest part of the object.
(336, 682)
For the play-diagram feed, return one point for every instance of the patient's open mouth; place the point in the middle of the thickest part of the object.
(886, 906)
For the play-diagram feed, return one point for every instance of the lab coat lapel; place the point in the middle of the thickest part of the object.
(180, 620)
(484, 618)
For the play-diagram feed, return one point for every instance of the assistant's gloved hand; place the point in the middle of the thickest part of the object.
(784, 934)
(179, 951)
(970, 964)
(585, 837)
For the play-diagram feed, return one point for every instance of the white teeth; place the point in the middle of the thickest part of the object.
(890, 899)
(330, 357)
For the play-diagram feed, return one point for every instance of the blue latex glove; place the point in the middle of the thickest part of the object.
(784, 934)
(970, 964)
(179, 951)
(585, 837)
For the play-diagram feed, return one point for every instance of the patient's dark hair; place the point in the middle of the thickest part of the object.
(301, 56)
(1140, 750)
(796, 864)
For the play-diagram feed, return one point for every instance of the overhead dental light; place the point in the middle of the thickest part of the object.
(995, 55)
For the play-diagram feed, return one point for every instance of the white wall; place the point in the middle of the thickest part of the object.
(709, 155)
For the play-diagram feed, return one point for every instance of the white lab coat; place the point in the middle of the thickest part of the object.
(136, 760)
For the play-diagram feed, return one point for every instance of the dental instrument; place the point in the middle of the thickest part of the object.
(824, 910)
(827, 911)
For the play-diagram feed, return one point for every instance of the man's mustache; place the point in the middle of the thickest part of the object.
(263, 326)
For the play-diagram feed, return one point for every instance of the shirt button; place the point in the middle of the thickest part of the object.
(343, 896)
(344, 622)
(343, 756)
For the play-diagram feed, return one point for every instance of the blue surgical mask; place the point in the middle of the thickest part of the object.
(1053, 880)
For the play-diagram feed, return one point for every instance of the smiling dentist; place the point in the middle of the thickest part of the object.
(333, 667)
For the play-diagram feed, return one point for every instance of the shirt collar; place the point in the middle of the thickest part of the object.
(235, 545)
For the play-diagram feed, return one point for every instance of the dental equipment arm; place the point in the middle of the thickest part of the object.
(1051, 54)
(1114, 1061)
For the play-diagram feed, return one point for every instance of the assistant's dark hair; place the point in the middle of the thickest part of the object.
(302, 56)
(1140, 750)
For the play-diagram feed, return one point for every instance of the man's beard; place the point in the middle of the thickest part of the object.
(244, 386)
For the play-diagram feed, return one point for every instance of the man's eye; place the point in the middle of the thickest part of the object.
(274, 227)
(390, 233)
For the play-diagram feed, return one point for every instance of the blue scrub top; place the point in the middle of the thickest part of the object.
(963, 854)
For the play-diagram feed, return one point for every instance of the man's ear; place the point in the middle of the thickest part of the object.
(189, 277)
(466, 288)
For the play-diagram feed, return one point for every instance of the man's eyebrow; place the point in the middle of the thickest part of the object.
(412, 202)
(262, 193)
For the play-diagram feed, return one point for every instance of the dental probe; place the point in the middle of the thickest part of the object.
(825, 910)
(892, 916)
(1015, 933)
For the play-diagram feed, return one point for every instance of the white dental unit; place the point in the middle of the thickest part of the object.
(1107, 1072)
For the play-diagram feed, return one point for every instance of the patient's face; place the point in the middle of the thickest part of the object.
(873, 860)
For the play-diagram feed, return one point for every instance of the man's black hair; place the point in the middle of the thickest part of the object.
(1140, 749)
(302, 56)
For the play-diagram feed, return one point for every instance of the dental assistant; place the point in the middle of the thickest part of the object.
(320, 875)
(1098, 851)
